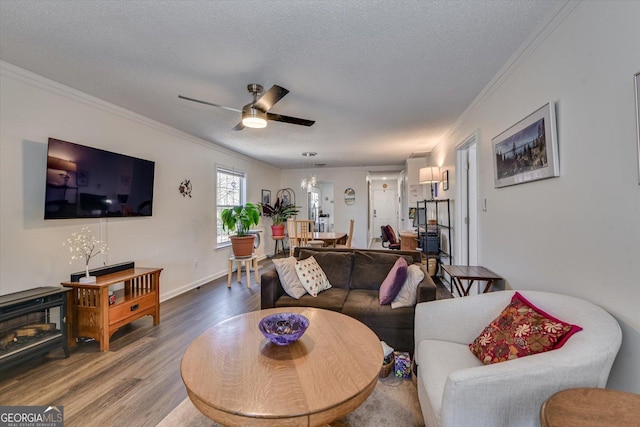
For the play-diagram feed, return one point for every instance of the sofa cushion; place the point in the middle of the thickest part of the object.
(336, 265)
(331, 299)
(364, 305)
(371, 268)
(311, 276)
(392, 284)
(520, 330)
(286, 268)
(408, 295)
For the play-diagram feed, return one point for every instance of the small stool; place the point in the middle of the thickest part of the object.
(278, 239)
(249, 262)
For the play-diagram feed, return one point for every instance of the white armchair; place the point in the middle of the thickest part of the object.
(456, 389)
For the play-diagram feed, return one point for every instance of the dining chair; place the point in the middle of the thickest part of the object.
(304, 232)
(349, 236)
(300, 234)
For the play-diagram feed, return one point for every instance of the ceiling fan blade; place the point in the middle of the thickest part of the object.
(270, 97)
(239, 126)
(292, 120)
(211, 103)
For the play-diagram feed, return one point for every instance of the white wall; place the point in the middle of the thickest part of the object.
(342, 178)
(181, 230)
(578, 234)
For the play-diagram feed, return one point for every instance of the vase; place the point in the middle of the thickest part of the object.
(277, 230)
(242, 246)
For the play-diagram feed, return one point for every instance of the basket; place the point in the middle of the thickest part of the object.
(387, 368)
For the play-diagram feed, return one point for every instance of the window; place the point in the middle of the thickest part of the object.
(229, 193)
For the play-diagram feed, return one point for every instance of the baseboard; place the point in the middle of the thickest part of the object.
(193, 285)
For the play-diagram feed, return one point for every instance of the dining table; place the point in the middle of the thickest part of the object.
(330, 238)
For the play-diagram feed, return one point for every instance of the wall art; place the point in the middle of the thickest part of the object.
(445, 180)
(637, 87)
(266, 197)
(528, 150)
(185, 188)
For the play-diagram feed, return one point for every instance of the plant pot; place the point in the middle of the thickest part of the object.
(242, 246)
(277, 230)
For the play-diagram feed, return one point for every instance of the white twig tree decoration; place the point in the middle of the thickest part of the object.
(83, 245)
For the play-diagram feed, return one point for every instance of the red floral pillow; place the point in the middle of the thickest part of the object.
(521, 329)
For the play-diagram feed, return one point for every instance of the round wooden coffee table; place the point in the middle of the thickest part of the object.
(235, 376)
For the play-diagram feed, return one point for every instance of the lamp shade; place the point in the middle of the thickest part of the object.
(429, 174)
(254, 118)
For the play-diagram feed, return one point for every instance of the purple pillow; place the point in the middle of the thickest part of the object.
(393, 282)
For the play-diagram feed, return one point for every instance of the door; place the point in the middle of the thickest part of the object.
(385, 209)
(467, 214)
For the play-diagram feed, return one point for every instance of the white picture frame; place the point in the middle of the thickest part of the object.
(528, 150)
(636, 79)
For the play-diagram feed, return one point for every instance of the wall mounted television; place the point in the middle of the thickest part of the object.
(86, 182)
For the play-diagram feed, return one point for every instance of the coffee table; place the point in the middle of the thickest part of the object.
(235, 376)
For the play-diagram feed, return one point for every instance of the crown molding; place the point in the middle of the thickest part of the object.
(535, 39)
(14, 72)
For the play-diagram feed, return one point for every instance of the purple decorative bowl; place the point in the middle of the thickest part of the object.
(283, 328)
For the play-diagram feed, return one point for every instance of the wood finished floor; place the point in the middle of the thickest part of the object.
(137, 382)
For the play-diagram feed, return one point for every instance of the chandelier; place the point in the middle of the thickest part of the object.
(308, 180)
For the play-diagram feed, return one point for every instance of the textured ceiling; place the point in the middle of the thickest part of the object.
(382, 79)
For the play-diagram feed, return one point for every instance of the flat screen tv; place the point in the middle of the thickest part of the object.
(86, 182)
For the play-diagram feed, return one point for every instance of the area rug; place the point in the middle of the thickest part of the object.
(394, 402)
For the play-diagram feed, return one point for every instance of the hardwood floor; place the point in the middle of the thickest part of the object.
(137, 382)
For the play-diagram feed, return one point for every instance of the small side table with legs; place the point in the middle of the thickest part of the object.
(249, 263)
(470, 273)
(279, 239)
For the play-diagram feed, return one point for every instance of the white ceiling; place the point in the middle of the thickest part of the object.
(382, 79)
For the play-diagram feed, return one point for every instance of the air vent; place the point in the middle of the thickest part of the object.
(319, 165)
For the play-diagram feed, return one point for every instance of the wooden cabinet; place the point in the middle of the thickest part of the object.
(408, 240)
(91, 315)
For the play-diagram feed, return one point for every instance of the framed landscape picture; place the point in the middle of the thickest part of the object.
(637, 89)
(528, 150)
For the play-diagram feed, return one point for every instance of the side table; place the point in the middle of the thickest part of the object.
(249, 263)
(470, 273)
(91, 315)
(591, 407)
(278, 239)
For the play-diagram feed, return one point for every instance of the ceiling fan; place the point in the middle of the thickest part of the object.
(256, 113)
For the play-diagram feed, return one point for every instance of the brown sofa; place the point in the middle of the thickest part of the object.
(356, 276)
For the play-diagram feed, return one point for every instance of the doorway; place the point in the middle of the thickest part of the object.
(467, 193)
(384, 208)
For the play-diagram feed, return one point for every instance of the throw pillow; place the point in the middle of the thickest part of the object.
(393, 282)
(520, 330)
(311, 276)
(286, 268)
(408, 295)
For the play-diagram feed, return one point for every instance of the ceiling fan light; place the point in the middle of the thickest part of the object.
(254, 118)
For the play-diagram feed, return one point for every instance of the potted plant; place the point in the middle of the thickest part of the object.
(279, 213)
(240, 219)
